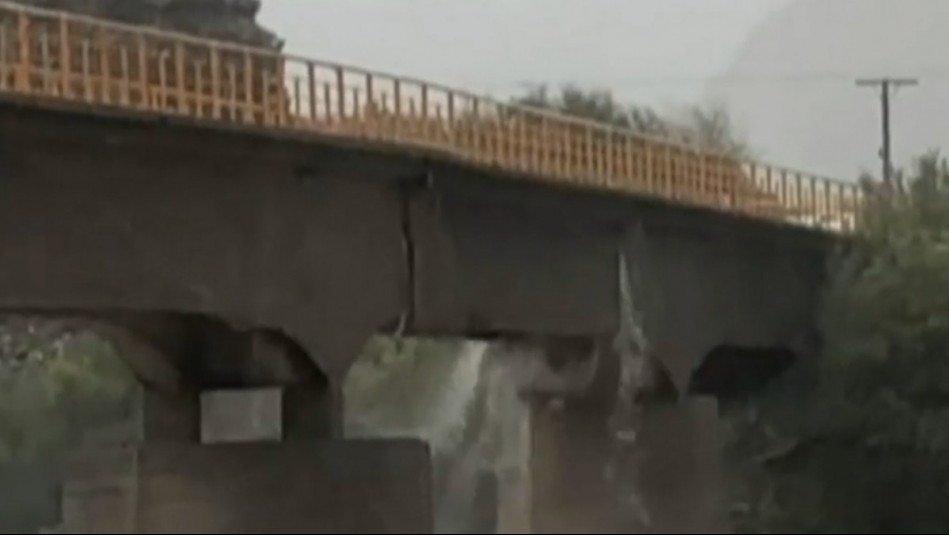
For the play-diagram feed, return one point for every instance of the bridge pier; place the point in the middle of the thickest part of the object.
(169, 416)
(193, 470)
(590, 472)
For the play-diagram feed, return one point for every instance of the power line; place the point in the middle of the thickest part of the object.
(938, 74)
(885, 84)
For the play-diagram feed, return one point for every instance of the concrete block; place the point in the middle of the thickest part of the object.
(301, 487)
(682, 476)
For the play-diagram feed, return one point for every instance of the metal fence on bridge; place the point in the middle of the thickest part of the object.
(51, 54)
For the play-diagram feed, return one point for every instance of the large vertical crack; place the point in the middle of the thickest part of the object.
(631, 346)
(408, 193)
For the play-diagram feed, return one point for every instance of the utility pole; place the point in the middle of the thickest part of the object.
(885, 84)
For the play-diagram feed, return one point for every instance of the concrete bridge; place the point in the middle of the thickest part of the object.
(236, 218)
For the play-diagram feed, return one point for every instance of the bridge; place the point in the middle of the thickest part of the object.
(236, 217)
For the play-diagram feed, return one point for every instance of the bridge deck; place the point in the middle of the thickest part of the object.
(52, 54)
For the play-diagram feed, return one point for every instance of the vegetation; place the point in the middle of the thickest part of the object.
(858, 440)
(709, 127)
(51, 398)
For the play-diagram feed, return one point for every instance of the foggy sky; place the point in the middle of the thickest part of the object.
(784, 67)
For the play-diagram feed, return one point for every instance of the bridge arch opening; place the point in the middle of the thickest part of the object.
(730, 372)
(61, 387)
(71, 380)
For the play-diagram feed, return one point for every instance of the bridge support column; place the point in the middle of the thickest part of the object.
(658, 472)
(570, 457)
(300, 478)
(170, 416)
(681, 476)
(311, 412)
(571, 401)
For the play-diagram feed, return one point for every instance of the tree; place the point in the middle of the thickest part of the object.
(706, 127)
(51, 397)
(862, 433)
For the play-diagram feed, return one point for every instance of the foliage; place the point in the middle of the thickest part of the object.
(863, 432)
(49, 400)
(710, 128)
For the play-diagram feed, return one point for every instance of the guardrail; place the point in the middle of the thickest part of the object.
(65, 56)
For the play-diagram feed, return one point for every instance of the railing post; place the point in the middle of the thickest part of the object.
(297, 98)
(265, 99)
(24, 66)
(453, 137)
(180, 77)
(86, 74)
(248, 88)
(143, 72)
(199, 96)
(340, 93)
(126, 83)
(546, 166)
(216, 93)
(369, 94)
(397, 106)
(568, 151)
(232, 92)
(65, 62)
(105, 71)
(476, 130)
(648, 172)
(589, 159)
(45, 62)
(163, 80)
(609, 152)
(356, 109)
(311, 87)
(279, 84)
(328, 101)
(424, 102)
(814, 211)
(704, 187)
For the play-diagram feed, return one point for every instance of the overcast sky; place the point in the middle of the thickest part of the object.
(656, 51)
(804, 112)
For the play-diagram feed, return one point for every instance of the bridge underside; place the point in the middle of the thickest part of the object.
(326, 242)
(305, 247)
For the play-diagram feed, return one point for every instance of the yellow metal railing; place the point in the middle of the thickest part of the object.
(69, 57)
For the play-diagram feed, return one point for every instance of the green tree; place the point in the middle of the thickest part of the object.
(709, 127)
(51, 397)
(859, 438)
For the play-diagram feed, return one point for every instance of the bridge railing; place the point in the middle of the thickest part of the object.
(70, 57)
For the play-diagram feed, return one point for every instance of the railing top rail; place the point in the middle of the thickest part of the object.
(589, 153)
(530, 111)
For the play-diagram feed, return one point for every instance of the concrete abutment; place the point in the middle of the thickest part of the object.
(593, 467)
(201, 465)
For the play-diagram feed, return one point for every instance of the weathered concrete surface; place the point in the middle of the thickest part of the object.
(118, 216)
(169, 416)
(301, 487)
(682, 478)
(570, 452)
(325, 242)
(593, 472)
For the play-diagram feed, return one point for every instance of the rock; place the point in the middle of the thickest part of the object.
(226, 20)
